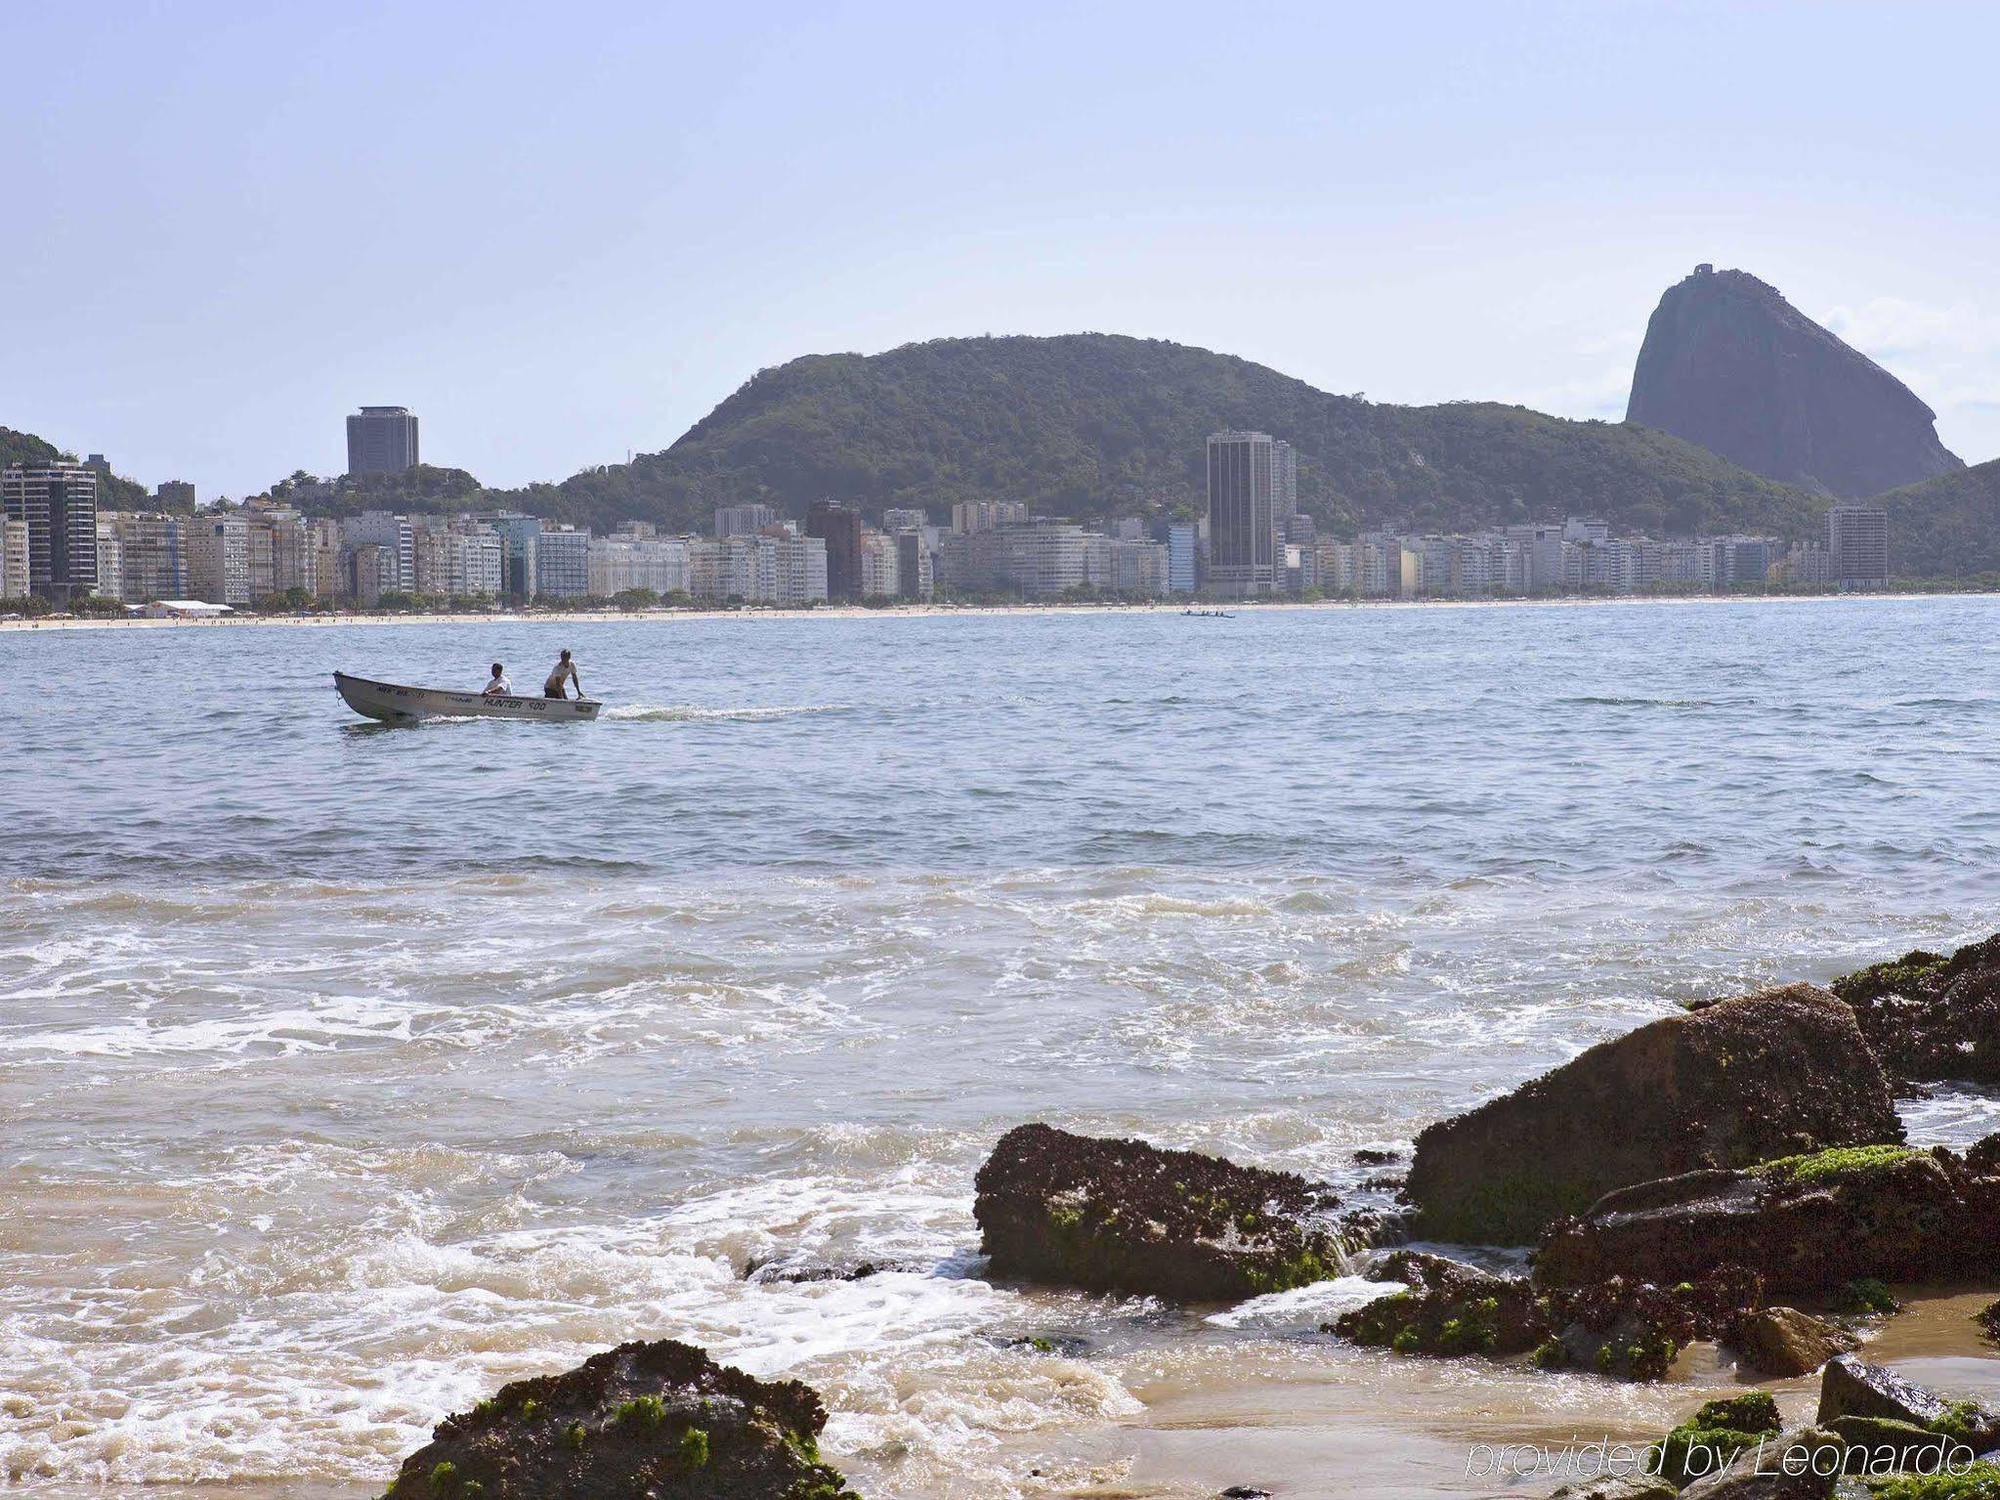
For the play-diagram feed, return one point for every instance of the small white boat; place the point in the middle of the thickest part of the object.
(395, 704)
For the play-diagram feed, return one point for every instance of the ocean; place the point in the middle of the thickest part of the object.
(347, 1072)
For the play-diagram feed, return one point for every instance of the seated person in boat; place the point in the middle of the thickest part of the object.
(499, 687)
(558, 684)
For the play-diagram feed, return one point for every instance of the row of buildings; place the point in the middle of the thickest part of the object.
(1250, 541)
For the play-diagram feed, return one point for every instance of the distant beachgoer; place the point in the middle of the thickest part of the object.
(558, 684)
(499, 687)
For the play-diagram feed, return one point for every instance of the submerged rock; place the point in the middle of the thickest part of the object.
(1782, 1341)
(659, 1420)
(1123, 1216)
(1451, 1308)
(1806, 1224)
(807, 1272)
(1930, 1017)
(1771, 1074)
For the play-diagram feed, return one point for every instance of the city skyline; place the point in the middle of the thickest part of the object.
(1403, 245)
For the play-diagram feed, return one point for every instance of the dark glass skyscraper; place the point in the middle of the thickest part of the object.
(840, 528)
(381, 440)
(1253, 487)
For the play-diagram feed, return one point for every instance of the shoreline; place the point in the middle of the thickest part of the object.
(945, 611)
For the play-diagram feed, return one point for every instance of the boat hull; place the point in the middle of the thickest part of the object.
(392, 703)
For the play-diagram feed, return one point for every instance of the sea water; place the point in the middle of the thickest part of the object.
(348, 1072)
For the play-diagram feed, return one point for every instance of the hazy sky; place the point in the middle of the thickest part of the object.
(562, 231)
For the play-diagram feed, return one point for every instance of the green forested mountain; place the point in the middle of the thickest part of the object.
(1086, 425)
(1948, 527)
(26, 448)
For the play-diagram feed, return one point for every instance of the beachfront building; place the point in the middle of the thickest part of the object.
(562, 563)
(218, 550)
(152, 555)
(914, 578)
(1139, 567)
(381, 528)
(13, 558)
(630, 561)
(840, 528)
(110, 562)
(881, 566)
(1181, 576)
(1253, 483)
(460, 559)
(1857, 536)
(58, 504)
(772, 569)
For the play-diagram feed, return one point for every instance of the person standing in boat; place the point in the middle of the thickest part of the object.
(565, 673)
(499, 687)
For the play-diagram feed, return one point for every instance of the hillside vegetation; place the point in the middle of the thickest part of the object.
(1086, 425)
(1947, 527)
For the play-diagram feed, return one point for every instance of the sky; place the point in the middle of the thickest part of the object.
(562, 233)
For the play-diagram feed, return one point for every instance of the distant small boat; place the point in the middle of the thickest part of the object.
(394, 704)
(1208, 614)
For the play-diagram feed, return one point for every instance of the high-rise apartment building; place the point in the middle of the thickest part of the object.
(1858, 538)
(914, 578)
(840, 528)
(881, 566)
(59, 504)
(175, 494)
(13, 558)
(219, 559)
(904, 518)
(110, 561)
(744, 520)
(620, 564)
(381, 440)
(1253, 485)
(1180, 557)
(988, 515)
(562, 563)
(381, 528)
(152, 555)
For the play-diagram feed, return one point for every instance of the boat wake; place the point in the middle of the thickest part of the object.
(639, 713)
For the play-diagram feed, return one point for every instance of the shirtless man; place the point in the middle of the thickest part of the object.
(499, 687)
(559, 680)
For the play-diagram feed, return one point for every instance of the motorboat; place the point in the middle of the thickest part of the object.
(392, 703)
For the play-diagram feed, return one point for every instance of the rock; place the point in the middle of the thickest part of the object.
(1729, 364)
(1982, 1158)
(1804, 1224)
(1988, 1318)
(1618, 1487)
(1929, 1017)
(659, 1419)
(1782, 1341)
(1849, 1387)
(1804, 1466)
(1123, 1216)
(1373, 1156)
(806, 1272)
(1771, 1074)
(1888, 1447)
(1634, 1330)
(1061, 1345)
(1450, 1308)
(1245, 1492)
(1712, 1439)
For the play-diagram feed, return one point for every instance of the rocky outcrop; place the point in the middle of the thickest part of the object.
(1123, 1216)
(1635, 1330)
(1850, 1387)
(1623, 1329)
(1804, 1224)
(1930, 1017)
(1451, 1308)
(1729, 364)
(660, 1420)
(1716, 1436)
(1772, 1074)
(1782, 1341)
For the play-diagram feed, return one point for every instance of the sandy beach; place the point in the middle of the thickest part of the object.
(936, 611)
